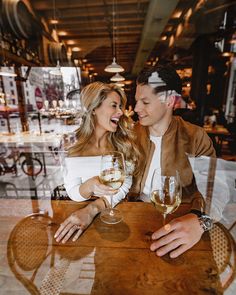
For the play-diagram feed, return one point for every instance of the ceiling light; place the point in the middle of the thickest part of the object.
(114, 67)
(188, 14)
(120, 84)
(117, 77)
(128, 82)
(172, 40)
(62, 33)
(179, 29)
(226, 54)
(76, 49)
(54, 21)
(177, 14)
(70, 42)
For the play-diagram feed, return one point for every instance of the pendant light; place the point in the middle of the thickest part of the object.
(120, 84)
(117, 78)
(113, 67)
(57, 70)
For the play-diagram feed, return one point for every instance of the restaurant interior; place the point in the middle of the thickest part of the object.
(49, 51)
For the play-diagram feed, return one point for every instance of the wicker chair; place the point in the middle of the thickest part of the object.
(28, 247)
(224, 252)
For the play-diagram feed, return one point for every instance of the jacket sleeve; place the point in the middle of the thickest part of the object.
(204, 145)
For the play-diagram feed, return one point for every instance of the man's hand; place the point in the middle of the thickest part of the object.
(178, 236)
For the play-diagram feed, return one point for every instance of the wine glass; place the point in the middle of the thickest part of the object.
(166, 192)
(112, 174)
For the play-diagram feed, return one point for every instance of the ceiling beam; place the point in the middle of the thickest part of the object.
(62, 4)
(157, 17)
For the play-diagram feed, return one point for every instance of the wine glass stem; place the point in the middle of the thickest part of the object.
(111, 211)
(164, 219)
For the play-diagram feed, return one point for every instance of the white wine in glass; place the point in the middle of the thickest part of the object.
(166, 192)
(112, 174)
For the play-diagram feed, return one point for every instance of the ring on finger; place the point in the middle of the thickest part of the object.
(167, 227)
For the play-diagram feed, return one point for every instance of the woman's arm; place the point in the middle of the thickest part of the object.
(91, 187)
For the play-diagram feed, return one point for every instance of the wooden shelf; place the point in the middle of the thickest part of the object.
(16, 59)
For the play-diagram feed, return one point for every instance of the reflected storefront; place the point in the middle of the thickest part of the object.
(42, 95)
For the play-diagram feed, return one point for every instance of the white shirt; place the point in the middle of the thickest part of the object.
(79, 169)
(155, 164)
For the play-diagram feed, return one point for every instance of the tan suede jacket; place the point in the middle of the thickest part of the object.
(181, 139)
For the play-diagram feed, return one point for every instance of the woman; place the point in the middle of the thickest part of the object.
(104, 128)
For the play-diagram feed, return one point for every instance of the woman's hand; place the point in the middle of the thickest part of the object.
(178, 236)
(78, 221)
(93, 187)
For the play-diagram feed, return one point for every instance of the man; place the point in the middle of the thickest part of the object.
(166, 141)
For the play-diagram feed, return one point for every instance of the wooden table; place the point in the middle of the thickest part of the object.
(107, 259)
(27, 139)
(218, 134)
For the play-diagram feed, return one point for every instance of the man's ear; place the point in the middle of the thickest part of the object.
(171, 101)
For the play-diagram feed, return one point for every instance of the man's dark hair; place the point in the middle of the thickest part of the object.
(167, 73)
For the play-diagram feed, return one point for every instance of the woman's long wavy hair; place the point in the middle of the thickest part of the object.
(122, 140)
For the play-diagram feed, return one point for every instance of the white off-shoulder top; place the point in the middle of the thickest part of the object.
(79, 169)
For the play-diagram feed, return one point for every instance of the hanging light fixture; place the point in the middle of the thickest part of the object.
(120, 84)
(117, 78)
(57, 70)
(113, 67)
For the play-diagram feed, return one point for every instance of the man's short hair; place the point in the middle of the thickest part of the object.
(167, 74)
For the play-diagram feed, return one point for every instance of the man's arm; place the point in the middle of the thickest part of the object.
(184, 232)
(204, 145)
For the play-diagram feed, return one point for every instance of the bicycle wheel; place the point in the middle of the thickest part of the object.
(33, 168)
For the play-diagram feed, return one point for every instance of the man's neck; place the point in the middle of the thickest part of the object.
(160, 128)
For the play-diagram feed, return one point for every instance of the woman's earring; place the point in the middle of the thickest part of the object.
(93, 112)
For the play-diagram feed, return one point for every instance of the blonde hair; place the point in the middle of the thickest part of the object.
(122, 140)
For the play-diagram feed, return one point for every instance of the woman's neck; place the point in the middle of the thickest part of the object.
(98, 144)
